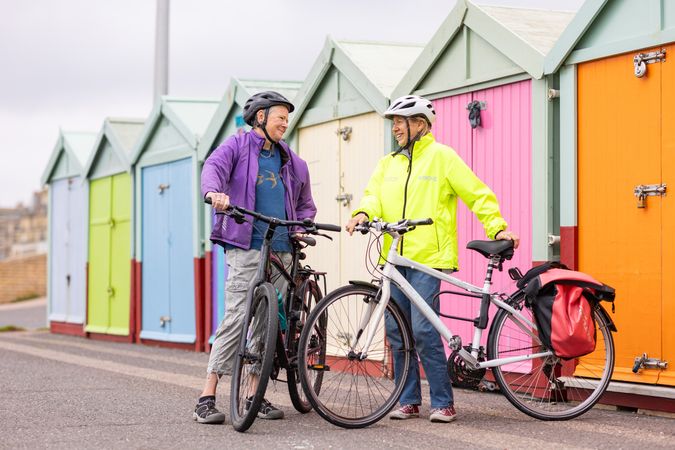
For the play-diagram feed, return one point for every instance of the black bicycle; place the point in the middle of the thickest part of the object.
(265, 345)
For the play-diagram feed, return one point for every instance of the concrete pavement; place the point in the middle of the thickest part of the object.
(29, 314)
(67, 392)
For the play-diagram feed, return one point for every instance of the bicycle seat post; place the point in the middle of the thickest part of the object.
(493, 263)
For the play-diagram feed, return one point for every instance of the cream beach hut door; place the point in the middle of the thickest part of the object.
(341, 156)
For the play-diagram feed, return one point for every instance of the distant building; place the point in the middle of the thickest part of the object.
(23, 229)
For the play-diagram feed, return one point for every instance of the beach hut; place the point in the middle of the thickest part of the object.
(108, 171)
(487, 63)
(339, 130)
(617, 92)
(226, 121)
(66, 288)
(169, 262)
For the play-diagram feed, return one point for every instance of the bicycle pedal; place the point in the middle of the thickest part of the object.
(319, 367)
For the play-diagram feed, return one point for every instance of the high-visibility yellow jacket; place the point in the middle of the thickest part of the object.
(427, 185)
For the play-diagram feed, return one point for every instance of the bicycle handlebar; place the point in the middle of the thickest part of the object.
(237, 212)
(402, 226)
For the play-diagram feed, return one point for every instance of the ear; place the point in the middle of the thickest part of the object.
(260, 116)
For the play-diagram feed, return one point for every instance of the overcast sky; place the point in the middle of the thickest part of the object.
(71, 63)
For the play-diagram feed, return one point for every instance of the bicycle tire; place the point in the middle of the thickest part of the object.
(550, 388)
(310, 295)
(258, 338)
(343, 310)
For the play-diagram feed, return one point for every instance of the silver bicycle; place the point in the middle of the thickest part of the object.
(359, 386)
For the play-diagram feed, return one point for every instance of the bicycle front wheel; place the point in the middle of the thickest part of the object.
(309, 297)
(253, 362)
(550, 388)
(355, 391)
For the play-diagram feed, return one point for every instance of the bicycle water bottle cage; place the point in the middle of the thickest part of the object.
(503, 249)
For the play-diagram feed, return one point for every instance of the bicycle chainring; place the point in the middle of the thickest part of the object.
(460, 374)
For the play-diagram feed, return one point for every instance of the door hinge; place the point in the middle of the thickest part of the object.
(643, 191)
(641, 60)
(644, 362)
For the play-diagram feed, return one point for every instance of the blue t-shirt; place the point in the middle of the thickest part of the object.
(270, 196)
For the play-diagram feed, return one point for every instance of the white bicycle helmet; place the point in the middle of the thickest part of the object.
(410, 106)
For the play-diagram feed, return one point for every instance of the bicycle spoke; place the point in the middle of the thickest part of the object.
(550, 388)
(355, 391)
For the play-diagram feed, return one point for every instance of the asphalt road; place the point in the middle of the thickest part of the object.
(67, 392)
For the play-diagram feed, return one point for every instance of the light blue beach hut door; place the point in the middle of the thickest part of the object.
(68, 251)
(168, 308)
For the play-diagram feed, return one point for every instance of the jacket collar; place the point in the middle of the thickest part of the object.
(424, 142)
(258, 142)
(418, 146)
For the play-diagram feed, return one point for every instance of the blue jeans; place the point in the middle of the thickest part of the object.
(428, 344)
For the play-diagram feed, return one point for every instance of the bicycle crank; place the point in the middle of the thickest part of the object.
(461, 375)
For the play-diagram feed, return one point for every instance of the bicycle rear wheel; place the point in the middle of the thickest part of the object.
(550, 388)
(309, 297)
(253, 362)
(354, 393)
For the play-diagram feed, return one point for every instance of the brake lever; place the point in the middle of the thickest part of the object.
(324, 235)
(237, 216)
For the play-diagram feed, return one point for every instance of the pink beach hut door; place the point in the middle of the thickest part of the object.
(499, 152)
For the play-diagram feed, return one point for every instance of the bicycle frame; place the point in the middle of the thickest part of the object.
(390, 274)
(290, 277)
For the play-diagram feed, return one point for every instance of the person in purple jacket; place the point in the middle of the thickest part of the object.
(255, 170)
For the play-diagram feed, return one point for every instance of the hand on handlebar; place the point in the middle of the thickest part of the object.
(219, 201)
(354, 221)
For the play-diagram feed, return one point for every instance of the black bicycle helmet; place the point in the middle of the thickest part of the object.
(264, 100)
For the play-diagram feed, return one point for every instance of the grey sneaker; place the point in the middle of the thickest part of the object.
(405, 412)
(206, 412)
(267, 410)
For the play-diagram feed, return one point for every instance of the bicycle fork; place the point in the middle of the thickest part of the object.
(375, 311)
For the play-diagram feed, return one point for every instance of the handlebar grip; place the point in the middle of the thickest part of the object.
(328, 227)
(207, 200)
(428, 221)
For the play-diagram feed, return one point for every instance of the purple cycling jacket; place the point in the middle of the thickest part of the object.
(232, 169)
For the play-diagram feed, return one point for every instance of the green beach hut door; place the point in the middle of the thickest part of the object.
(110, 242)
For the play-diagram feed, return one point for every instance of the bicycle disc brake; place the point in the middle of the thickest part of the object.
(460, 374)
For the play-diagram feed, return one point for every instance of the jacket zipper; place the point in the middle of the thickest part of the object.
(405, 192)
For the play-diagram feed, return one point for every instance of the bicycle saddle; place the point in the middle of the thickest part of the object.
(486, 248)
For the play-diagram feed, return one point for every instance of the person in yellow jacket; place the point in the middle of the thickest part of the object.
(421, 179)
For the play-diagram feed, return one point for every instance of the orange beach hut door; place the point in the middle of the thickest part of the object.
(626, 154)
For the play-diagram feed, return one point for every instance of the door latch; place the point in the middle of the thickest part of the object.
(345, 132)
(641, 60)
(163, 320)
(111, 291)
(643, 191)
(644, 362)
(346, 199)
(163, 187)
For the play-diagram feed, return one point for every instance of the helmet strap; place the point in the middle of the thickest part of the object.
(410, 142)
(263, 125)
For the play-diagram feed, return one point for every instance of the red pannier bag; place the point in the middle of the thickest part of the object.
(562, 301)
